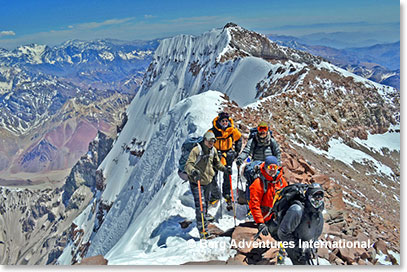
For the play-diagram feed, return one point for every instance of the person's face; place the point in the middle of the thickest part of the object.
(209, 143)
(262, 131)
(317, 200)
(224, 122)
(271, 169)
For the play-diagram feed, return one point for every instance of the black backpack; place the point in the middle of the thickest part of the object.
(285, 197)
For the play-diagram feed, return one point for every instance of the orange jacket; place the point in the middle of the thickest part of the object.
(225, 138)
(261, 203)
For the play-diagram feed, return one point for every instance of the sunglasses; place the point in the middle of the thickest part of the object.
(262, 129)
(272, 166)
(212, 141)
(224, 120)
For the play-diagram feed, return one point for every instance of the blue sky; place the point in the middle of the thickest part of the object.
(52, 22)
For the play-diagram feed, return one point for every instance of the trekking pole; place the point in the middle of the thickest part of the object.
(233, 199)
(200, 204)
(220, 186)
(257, 235)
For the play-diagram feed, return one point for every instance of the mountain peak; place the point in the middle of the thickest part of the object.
(230, 24)
(245, 42)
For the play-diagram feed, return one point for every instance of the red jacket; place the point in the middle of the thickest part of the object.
(261, 203)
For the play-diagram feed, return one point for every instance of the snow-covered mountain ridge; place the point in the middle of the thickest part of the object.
(309, 103)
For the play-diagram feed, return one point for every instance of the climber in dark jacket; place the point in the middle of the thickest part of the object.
(260, 146)
(305, 222)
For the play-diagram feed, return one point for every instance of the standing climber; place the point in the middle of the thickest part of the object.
(200, 168)
(261, 144)
(229, 144)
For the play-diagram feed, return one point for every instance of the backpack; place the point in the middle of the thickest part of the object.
(285, 197)
(251, 172)
(186, 148)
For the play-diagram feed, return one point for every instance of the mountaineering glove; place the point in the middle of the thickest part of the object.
(239, 162)
(196, 175)
(231, 154)
(228, 170)
(263, 229)
(256, 168)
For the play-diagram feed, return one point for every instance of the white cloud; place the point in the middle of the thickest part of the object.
(110, 22)
(7, 33)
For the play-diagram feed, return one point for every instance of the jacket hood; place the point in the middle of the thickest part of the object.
(216, 124)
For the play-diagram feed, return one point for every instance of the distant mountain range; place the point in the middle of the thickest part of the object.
(379, 63)
(54, 100)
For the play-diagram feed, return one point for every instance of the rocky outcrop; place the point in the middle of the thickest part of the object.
(84, 172)
(350, 214)
(34, 222)
(95, 260)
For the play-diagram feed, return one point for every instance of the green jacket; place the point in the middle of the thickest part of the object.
(204, 160)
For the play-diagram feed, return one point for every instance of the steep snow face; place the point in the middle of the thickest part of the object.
(140, 220)
(185, 65)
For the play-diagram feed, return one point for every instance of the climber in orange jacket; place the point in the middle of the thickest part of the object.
(262, 192)
(229, 144)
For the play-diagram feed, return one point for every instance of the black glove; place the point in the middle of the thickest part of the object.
(263, 229)
(256, 168)
(196, 175)
(239, 161)
(228, 170)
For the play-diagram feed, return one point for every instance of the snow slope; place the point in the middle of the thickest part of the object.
(143, 227)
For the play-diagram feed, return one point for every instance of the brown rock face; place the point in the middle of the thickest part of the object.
(345, 197)
(95, 260)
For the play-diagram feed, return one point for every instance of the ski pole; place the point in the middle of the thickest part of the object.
(233, 199)
(200, 204)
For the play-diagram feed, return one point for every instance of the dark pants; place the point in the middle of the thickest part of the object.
(296, 255)
(230, 157)
(206, 193)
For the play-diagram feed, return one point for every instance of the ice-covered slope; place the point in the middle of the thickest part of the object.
(185, 65)
(150, 200)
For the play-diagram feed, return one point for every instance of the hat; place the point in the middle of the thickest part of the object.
(209, 135)
(314, 188)
(223, 115)
(315, 195)
(270, 160)
(263, 124)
